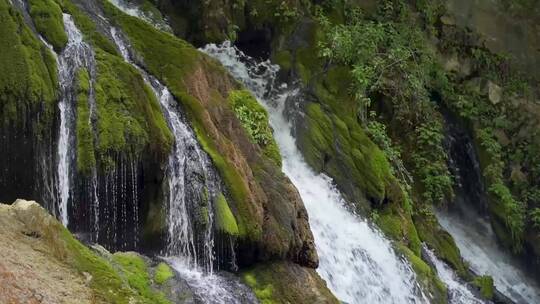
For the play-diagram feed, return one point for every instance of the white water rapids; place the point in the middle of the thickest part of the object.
(476, 241)
(356, 261)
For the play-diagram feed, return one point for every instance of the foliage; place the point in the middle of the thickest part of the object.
(378, 133)
(389, 57)
(254, 119)
(485, 284)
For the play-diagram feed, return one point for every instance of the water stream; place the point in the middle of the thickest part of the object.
(470, 227)
(191, 183)
(458, 292)
(356, 261)
(77, 54)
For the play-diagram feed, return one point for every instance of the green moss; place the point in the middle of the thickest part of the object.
(263, 293)
(172, 60)
(47, 17)
(225, 221)
(485, 285)
(129, 116)
(282, 282)
(283, 59)
(254, 119)
(426, 275)
(397, 224)
(88, 27)
(135, 271)
(28, 81)
(440, 241)
(163, 273)
(85, 137)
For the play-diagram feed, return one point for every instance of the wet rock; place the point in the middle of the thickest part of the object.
(494, 92)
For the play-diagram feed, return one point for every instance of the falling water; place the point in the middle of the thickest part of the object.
(472, 231)
(77, 54)
(478, 245)
(132, 9)
(190, 174)
(357, 262)
(458, 292)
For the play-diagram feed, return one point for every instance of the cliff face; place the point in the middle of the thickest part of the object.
(377, 81)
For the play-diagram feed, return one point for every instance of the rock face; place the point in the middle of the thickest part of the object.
(505, 26)
(29, 272)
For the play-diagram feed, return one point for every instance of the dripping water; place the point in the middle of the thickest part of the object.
(189, 175)
(77, 54)
(458, 292)
(357, 262)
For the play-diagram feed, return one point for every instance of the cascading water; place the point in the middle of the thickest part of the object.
(472, 231)
(478, 245)
(132, 9)
(191, 179)
(357, 262)
(458, 292)
(77, 54)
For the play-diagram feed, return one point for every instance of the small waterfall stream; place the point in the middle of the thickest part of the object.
(356, 261)
(458, 292)
(471, 229)
(77, 54)
(191, 183)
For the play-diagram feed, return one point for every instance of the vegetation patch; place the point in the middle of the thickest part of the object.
(485, 285)
(163, 273)
(47, 17)
(254, 119)
(28, 82)
(225, 220)
(85, 136)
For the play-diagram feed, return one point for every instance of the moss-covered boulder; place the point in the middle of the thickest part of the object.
(271, 219)
(44, 262)
(47, 17)
(28, 96)
(282, 282)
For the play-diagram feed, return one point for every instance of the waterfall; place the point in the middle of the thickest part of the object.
(189, 175)
(77, 54)
(458, 292)
(478, 245)
(471, 229)
(356, 261)
(132, 9)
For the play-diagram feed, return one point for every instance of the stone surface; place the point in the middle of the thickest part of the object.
(28, 271)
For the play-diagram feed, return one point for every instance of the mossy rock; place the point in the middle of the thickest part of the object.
(47, 17)
(485, 286)
(130, 119)
(163, 273)
(121, 278)
(86, 159)
(426, 276)
(28, 82)
(88, 27)
(441, 242)
(225, 221)
(272, 222)
(283, 282)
